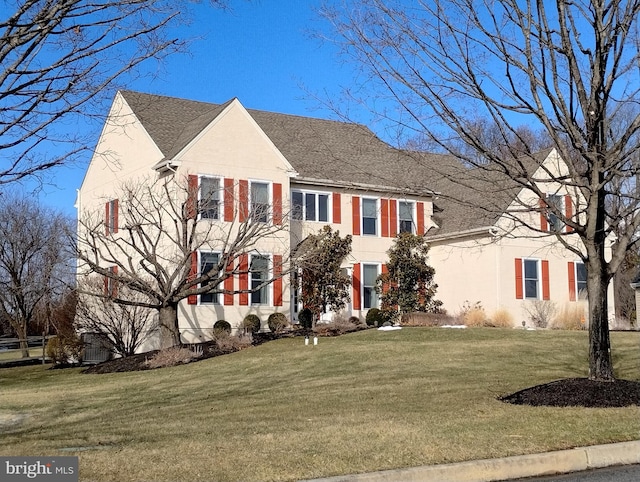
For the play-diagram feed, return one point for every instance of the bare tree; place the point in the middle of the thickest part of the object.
(160, 228)
(34, 262)
(60, 56)
(570, 68)
(124, 327)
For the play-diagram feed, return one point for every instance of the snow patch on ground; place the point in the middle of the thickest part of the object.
(453, 326)
(389, 328)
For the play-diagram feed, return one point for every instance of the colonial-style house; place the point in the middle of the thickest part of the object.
(320, 172)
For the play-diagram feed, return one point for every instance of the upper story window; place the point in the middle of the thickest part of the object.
(210, 197)
(555, 201)
(310, 206)
(259, 275)
(111, 217)
(260, 201)
(405, 217)
(209, 261)
(369, 216)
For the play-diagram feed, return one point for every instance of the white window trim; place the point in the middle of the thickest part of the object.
(414, 214)
(269, 287)
(200, 253)
(269, 194)
(579, 296)
(304, 192)
(362, 285)
(220, 198)
(538, 279)
(563, 210)
(378, 216)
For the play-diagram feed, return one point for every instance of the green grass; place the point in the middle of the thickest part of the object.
(284, 411)
(17, 354)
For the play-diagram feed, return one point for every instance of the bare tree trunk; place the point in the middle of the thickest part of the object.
(169, 332)
(21, 331)
(600, 364)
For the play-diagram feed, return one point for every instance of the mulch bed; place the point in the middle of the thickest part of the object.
(579, 392)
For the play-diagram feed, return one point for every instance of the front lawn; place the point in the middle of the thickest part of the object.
(283, 411)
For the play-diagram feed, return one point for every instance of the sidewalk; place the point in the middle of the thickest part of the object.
(521, 466)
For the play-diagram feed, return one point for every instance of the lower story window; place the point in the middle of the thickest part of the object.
(369, 275)
(259, 275)
(531, 279)
(581, 281)
(209, 261)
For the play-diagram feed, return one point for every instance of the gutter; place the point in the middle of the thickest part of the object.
(490, 230)
(361, 186)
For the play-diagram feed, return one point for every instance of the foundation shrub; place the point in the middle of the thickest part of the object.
(355, 320)
(231, 343)
(277, 322)
(221, 326)
(305, 317)
(501, 319)
(374, 317)
(541, 312)
(475, 317)
(338, 326)
(64, 350)
(420, 318)
(570, 317)
(173, 356)
(251, 323)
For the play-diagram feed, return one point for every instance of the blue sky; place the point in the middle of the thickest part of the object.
(260, 51)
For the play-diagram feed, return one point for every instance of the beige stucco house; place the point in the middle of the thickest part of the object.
(494, 245)
(321, 172)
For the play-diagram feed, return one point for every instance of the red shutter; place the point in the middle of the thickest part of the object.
(228, 199)
(244, 279)
(571, 271)
(107, 231)
(568, 210)
(393, 218)
(385, 270)
(115, 216)
(420, 220)
(277, 203)
(192, 196)
(384, 210)
(244, 200)
(356, 287)
(546, 295)
(337, 208)
(277, 282)
(519, 280)
(544, 224)
(228, 285)
(355, 215)
(193, 272)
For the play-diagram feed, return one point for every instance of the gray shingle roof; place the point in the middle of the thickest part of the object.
(318, 149)
(346, 153)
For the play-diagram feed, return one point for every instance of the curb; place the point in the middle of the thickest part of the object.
(521, 466)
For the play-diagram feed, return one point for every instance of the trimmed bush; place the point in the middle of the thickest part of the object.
(305, 317)
(375, 317)
(221, 326)
(277, 322)
(355, 320)
(63, 350)
(251, 323)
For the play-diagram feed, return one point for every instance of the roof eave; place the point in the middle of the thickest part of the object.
(362, 186)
